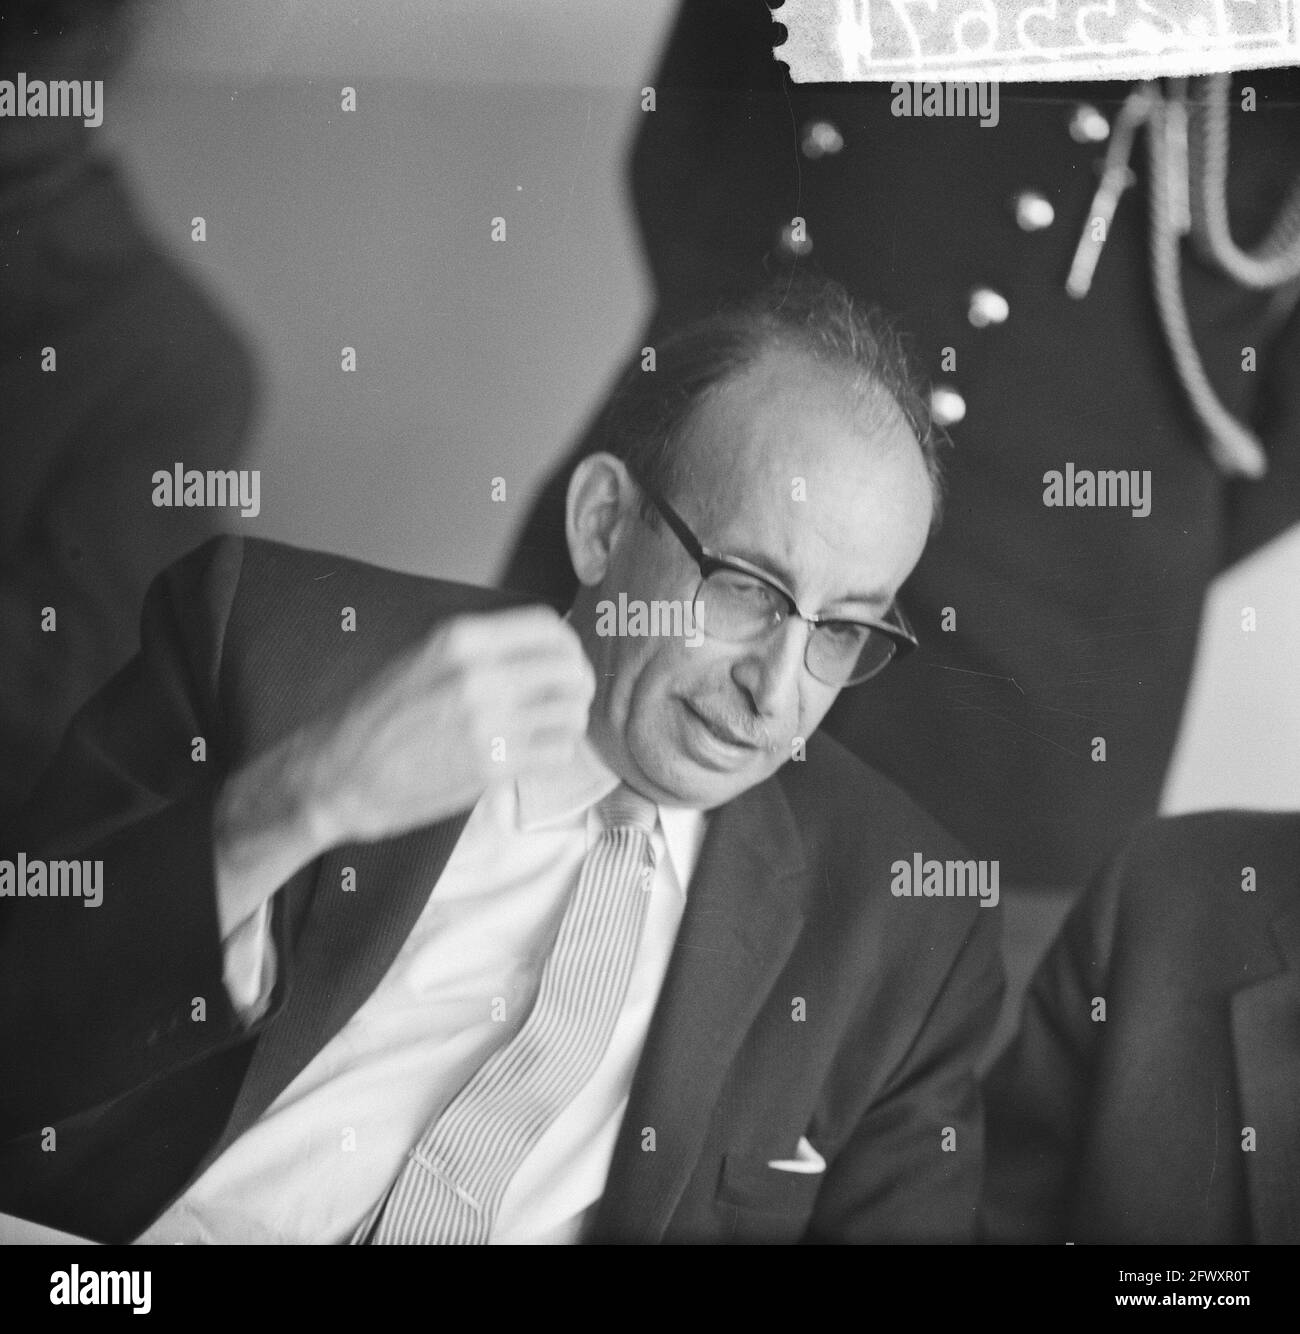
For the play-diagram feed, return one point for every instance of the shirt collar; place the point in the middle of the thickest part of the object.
(553, 796)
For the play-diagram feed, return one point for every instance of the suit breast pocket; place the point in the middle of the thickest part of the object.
(766, 1204)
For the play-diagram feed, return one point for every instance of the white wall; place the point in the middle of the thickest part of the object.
(1240, 743)
(371, 229)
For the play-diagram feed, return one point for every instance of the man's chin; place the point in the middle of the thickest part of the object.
(687, 783)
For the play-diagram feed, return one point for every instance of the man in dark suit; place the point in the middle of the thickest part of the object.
(1151, 1094)
(326, 905)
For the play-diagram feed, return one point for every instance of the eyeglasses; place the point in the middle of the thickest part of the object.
(739, 603)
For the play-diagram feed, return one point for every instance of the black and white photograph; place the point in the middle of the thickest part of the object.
(650, 624)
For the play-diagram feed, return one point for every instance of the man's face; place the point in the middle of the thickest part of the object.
(786, 477)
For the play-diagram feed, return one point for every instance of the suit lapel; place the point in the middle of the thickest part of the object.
(1266, 1038)
(743, 915)
(346, 940)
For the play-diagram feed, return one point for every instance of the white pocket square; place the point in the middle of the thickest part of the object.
(806, 1159)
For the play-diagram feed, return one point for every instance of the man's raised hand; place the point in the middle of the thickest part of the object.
(482, 698)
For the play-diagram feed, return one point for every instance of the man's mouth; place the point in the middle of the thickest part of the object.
(725, 733)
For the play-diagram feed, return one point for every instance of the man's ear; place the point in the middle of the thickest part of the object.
(601, 496)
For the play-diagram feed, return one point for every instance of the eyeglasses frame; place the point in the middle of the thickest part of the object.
(709, 562)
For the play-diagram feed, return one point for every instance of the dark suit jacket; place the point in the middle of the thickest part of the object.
(1131, 1129)
(790, 899)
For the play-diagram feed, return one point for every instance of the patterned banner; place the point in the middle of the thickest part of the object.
(837, 40)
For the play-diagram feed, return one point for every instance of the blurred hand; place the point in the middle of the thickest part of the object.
(483, 698)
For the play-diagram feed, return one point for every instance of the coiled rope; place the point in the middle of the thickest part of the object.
(1188, 144)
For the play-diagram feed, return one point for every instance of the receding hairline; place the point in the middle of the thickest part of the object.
(855, 348)
(866, 401)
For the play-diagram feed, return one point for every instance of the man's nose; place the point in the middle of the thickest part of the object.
(768, 670)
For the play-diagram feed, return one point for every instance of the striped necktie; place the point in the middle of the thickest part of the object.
(451, 1186)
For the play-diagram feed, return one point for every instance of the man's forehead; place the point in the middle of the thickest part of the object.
(779, 467)
(763, 435)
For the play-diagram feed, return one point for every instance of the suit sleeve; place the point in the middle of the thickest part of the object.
(911, 1170)
(96, 1001)
(1038, 1093)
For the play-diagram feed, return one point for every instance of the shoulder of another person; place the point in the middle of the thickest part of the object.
(1207, 860)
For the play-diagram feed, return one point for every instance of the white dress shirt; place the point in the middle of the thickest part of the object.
(320, 1156)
